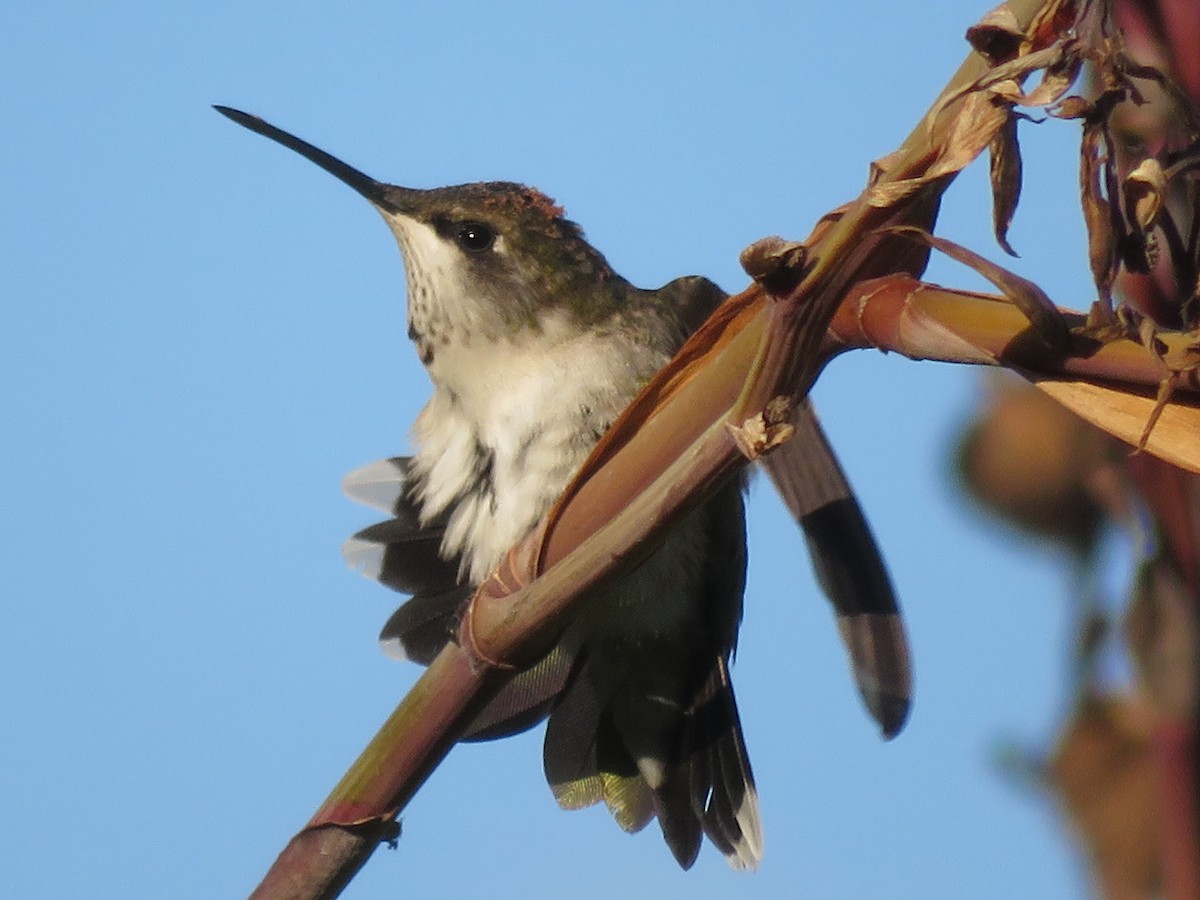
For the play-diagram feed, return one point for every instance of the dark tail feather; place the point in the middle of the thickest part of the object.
(586, 761)
(405, 555)
(728, 796)
(682, 828)
(849, 567)
(704, 786)
(420, 628)
(525, 700)
(569, 757)
(401, 553)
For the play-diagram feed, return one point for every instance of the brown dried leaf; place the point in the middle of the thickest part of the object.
(1147, 333)
(995, 84)
(888, 194)
(1104, 774)
(984, 107)
(1097, 215)
(1124, 414)
(1185, 359)
(1144, 188)
(1160, 628)
(1054, 19)
(1015, 70)
(1023, 293)
(880, 167)
(1006, 180)
(1183, 366)
(997, 37)
(1056, 80)
(765, 431)
(775, 263)
(974, 127)
(1073, 107)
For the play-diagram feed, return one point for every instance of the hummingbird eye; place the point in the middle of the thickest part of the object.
(475, 237)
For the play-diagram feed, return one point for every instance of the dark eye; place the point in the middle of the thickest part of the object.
(475, 237)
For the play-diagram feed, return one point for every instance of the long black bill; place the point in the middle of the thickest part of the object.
(373, 190)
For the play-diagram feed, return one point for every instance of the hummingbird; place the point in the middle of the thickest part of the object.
(534, 345)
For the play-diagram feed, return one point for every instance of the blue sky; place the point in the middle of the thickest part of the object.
(201, 333)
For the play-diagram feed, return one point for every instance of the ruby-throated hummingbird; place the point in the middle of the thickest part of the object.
(534, 346)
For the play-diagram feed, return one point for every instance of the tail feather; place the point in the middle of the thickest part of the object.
(570, 757)
(421, 627)
(401, 556)
(849, 568)
(682, 828)
(525, 700)
(651, 733)
(704, 786)
(730, 814)
(402, 552)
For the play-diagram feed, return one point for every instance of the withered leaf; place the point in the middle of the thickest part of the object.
(1056, 80)
(1015, 70)
(1183, 367)
(1162, 635)
(974, 127)
(1054, 19)
(1006, 180)
(1023, 293)
(1097, 215)
(892, 192)
(1144, 188)
(1073, 107)
(997, 37)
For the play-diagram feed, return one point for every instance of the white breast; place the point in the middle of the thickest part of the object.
(530, 415)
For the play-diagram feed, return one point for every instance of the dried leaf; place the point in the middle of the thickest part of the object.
(1055, 19)
(1056, 80)
(1006, 180)
(1183, 366)
(1124, 414)
(1097, 215)
(1160, 627)
(986, 107)
(1144, 188)
(1073, 107)
(880, 167)
(1147, 333)
(975, 127)
(1024, 294)
(997, 37)
(765, 431)
(1103, 771)
(1016, 70)
(888, 194)
(775, 263)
